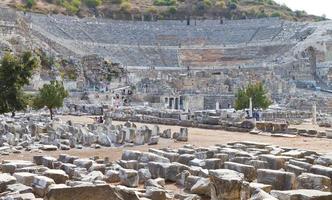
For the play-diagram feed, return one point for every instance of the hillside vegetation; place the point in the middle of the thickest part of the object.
(165, 9)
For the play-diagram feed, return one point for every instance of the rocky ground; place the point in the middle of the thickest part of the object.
(209, 164)
(198, 137)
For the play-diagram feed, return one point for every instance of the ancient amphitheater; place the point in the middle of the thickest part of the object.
(182, 78)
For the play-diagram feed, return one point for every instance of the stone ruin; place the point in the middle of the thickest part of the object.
(239, 170)
(35, 133)
(187, 67)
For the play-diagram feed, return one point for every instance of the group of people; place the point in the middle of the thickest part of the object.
(99, 120)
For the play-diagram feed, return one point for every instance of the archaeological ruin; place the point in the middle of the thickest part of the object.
(151, 110)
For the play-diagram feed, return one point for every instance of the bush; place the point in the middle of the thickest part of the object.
(30, 3)
(232, 6)
(126, 7)
(92, 3)
(152, 10)
(276, 14)
(172, 10)
(164, 2)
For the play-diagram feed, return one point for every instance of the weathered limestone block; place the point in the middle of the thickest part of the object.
(158, 169)
(248, 171)
(186, 150)
(68, 168)
(151, 157)
(131, 155)
(93, 176)
(144, 175)
(294, 169)
(185, 158)
(190, 181)
(314, 181)
(5, 180)
(225, 184)
(9, 168)
(275, 162)
(325, 160)
(40, 185)
(95, 192)
(241, 160)
(183, 135)
(130, 135)
(258, 164)
(57, 175)
(172, 156)
(259, 194)
(153, 140)
(155, 130)
(158, 183)
(202, 187)
(112, 176)
(128, 164)
(321, 170)
(48, 161)
(213, 163)
(254, 186)
(181, 177)
(278, 179)
(64, 158)
(84, 162)
(98, 167)
(15, 195)
(304, 165)
(197, 162)
(155, 193)
(173, 170)
(301, 195)
(199, 171)
(49, 147)
(166, 134)
(20, 188)
(222, 156)
(129, 177)
(24, 178)
(294, 153)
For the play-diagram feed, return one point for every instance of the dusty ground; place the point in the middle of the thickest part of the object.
(198, 137)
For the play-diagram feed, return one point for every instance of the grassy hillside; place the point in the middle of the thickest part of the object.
(164, 9)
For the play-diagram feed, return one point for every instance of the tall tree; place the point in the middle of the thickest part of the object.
(50, 95)
(15, 72)
(256, 92)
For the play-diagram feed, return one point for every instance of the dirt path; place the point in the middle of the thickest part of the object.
(198, 137)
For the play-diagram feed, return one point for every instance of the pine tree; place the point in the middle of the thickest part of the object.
(50, 95)
(256, 92)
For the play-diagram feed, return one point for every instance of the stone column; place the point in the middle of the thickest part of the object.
(250, 107)
(166, 102)
(217, 105)
(314, 114)
(186, 104)
(173, 103)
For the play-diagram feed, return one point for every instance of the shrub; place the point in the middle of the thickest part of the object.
(172, 10)
(30, 3)
(276, 14)
(126, 6)
(152, 10)
(164, 2)
(92, 3)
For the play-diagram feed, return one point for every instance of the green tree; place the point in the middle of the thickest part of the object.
(30, 3)
(50, 95)
(256, 92)
(15, 72)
